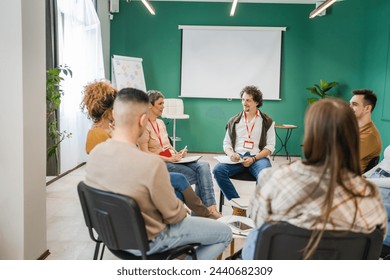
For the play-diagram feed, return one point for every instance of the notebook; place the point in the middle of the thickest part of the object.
(189, 159)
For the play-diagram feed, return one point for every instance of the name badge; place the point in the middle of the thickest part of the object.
(166, 153)
(249, 144)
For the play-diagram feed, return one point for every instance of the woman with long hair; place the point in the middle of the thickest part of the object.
(324, 191)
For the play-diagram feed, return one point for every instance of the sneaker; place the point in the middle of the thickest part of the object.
(239, 211)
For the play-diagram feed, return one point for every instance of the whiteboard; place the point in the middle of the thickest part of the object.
(219, 61)
(127, 72)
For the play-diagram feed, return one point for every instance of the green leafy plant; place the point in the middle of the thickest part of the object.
(321, 90)
(54, 77)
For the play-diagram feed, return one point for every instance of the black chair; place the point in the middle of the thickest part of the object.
(373, 162)
(119, 224)
(244, 175)
(88, 222)
(385, 254)
(283, 241)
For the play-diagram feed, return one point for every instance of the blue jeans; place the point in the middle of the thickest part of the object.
(197, 173)
(212, 235)
(248, 251)
(385, 193)
(223, 171)
(179, 183)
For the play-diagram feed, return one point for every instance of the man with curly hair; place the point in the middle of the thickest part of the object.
(250, 137)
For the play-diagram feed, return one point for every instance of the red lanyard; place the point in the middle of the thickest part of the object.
(157, 131)
(253, 125)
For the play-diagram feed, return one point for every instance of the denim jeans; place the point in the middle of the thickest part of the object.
(248, 251)
(212, 235)
(385, 193)
(197, 173)
(223, 171)
(179, 183)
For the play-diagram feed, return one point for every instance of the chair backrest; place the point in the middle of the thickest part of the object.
(84, 207)
(372, 163)
(283, 241)
(116, 219)
(173, 107)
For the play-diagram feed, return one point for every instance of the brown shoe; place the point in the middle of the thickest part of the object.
(239, 211)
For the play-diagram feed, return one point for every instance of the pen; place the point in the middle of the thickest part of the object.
(184, 149)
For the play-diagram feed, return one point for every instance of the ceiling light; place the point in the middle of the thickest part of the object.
(321, 8)
(148, 6)
(234, 6)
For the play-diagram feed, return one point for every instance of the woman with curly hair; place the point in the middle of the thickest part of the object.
(98, 101)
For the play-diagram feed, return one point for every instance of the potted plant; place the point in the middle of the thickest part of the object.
(321, 90)
(54, 76)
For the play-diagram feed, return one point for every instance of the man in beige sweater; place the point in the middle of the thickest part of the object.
(363, 103)
(117, 165)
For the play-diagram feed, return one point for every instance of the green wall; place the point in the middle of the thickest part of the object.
(348, 45)
(376, 66)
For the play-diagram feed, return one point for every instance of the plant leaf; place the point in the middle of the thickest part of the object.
(311, 100)
(314, 90)
(53, 100)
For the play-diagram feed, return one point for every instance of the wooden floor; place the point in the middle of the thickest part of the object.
(67, 235)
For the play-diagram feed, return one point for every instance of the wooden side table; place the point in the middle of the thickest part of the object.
(289, 128)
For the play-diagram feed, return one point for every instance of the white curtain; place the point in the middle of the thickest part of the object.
(80, 48)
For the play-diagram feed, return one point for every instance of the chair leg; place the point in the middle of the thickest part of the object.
(102, 253)
(221, 201)
(96, 253)
(232, 247)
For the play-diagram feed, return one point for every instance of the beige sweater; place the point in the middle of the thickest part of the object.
(123, 168)
(151, 138)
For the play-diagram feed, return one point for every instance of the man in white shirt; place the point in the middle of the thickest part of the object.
(250, 137)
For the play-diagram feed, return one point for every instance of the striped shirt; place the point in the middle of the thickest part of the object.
(281, 188)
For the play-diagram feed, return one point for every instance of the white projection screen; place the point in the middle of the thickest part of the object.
(219, 61)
